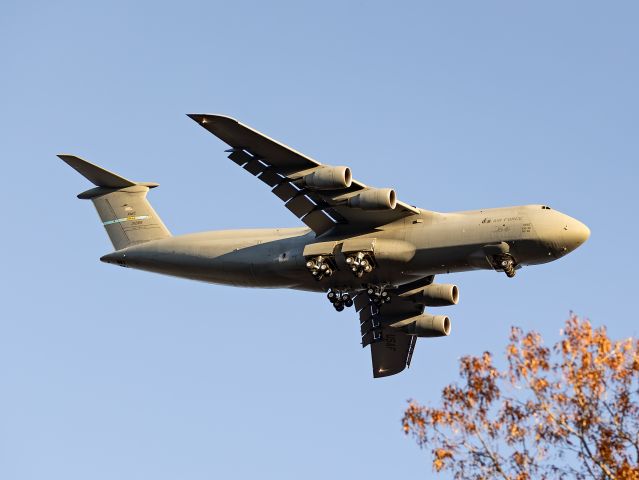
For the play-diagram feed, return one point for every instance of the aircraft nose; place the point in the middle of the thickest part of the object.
(575, 234)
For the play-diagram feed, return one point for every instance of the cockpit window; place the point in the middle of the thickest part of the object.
(544, 207)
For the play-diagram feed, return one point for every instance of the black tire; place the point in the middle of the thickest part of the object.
(348, 303)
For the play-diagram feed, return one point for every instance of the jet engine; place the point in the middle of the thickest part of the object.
(436, 295)
(329, 178)
(426, 325)
(374, 199)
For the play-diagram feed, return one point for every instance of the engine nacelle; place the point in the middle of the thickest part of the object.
(424, 325)
(329, 178)
(437, 295)
(427, 325)
(374, 199)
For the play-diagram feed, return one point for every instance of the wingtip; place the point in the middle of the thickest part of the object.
(204, 118)
(201, 118)
(69, 158)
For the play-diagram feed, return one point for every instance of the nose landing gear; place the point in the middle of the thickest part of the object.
(505, 263)
(339, 299)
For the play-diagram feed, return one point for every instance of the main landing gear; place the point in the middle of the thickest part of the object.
(320, 266)
(339, 299)
(324, 266)
(360, 263)
(378, 295)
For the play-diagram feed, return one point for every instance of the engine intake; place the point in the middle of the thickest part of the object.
(374, 199)
(329, 178)
(436, 295)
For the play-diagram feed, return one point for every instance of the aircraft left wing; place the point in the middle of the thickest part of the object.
(303, 183)
(391, 348)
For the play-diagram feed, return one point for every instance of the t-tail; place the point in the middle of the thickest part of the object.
(126, 214)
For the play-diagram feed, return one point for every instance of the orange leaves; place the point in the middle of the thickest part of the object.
(414, 420)
(539, 385)
(627, 472)
(571, 410)
(516, 432)
(440, 456)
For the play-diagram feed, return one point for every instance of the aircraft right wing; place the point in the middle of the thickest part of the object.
(391, 349)
(301, 182)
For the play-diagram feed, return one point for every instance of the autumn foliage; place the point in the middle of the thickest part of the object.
(567, 411)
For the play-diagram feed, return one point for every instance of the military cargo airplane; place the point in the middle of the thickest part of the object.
(360, 245)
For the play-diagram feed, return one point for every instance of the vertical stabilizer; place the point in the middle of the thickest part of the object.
(126, 214)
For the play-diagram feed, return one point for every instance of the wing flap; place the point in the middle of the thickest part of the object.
(300, 205)
(391, 348)
(271, 177)
(255, 166)
(318, 222)
(240, 157)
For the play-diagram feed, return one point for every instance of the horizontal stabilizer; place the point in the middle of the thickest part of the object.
(99, 176)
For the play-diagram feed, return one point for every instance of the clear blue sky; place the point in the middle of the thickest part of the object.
(109, 373)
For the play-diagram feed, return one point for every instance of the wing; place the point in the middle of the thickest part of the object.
(284, 169)
(391, 349)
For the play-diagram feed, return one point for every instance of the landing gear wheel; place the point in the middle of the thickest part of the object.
(339, 299)
(378, 295)
(320, 266)
(360, 263)
(507, 264)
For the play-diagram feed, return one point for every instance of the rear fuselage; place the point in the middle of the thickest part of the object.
(427, 244)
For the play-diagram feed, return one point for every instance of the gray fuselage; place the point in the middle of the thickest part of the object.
(426, 244)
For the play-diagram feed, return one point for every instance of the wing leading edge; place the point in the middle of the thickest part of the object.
(283, 169)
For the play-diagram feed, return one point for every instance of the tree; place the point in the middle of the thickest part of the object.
(570, 411)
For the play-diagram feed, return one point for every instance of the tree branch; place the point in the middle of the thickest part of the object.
(492, 456)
